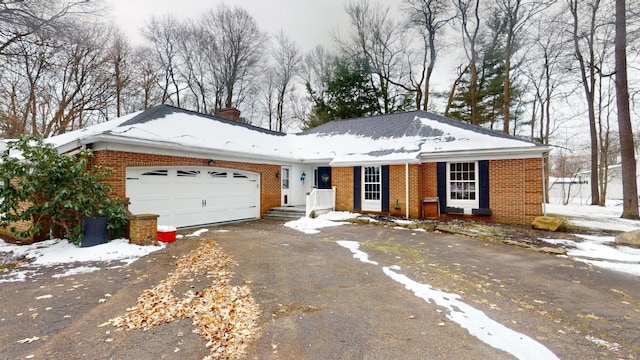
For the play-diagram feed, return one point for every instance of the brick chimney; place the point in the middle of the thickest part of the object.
(232, 114)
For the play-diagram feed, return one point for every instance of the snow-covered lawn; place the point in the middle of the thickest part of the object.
(56, 252)
(599, 251)
(594, 217)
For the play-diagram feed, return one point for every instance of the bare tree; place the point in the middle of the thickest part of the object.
(316, 71)
(286, 56)
(145, 90)
(468, 13)
(57, 82)
(584, 27)
(194, 69)
(629, 182)
(236, 47)
(546, 72)
(21, 19)
(81, 88)
(164, 36)
(119, 58)
(268, 97)
(428, 17)
(517, 15)
(376, 37)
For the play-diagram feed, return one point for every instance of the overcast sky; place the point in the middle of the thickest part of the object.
(308, 22)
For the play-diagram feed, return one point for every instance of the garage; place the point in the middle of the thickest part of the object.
(190, 196)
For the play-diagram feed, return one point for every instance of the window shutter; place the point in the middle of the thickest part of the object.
(483, 183)
(442, 186)
(357, 188)
(385, 187)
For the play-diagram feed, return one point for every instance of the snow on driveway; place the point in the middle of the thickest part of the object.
(476, 322)
(311, 225)
(57, 252)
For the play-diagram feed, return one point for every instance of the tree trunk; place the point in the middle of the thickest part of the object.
(507, 83)
(473, 91)
(629, 184)
(587, 72)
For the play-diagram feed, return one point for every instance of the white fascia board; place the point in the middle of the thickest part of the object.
(490, 154)
(375, 162)
(68, 147)
(107, 142)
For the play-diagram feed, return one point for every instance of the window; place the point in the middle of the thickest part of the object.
(372, 183)
(218, 174)
(285, 178)
(156, 173)
(188, 173)
(462, 184)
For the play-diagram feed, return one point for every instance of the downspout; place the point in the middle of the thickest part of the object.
(544, 188)
(406, 188)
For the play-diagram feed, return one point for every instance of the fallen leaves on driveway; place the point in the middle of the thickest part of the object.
(226, 316)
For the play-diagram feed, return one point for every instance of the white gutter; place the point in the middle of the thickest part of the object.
(544, 188)
(375, 162)
(486, 154)
(406, 188)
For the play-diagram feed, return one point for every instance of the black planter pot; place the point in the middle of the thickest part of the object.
(94, 231)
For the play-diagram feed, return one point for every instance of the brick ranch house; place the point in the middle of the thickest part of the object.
(195, 169)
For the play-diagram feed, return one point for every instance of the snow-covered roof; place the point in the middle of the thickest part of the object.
(408, 137)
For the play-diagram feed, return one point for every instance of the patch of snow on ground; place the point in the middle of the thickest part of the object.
(601, 251)
(57, 251)
(61, 252)
(403, 222)
(594, 217)
(603, 343)
(311, 225)
(473, 320)
(77, 270)
(354, 246)
(197, 233)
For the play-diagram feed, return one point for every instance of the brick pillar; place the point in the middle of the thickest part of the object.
(143, 229)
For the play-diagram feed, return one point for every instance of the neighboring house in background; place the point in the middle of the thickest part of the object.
(577, 188)
(194, 169)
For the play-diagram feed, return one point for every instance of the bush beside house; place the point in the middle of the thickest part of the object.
(45, 191)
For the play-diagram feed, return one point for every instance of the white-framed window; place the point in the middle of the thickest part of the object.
(371, 188)
(462, 185)
(286, 173)
(372, 183)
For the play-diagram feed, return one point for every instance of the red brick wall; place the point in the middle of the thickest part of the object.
(120, 161)
(515, 190)
(342, 179)
(429, 188)
(397, 191)
(515, 193)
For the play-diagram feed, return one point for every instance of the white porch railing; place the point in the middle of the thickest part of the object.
(320, 199)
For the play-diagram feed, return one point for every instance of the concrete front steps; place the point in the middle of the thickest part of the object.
(285, 213)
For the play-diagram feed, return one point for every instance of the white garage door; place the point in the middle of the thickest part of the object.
(189, 196)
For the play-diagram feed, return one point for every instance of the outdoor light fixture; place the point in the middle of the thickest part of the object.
(303, 176)
(211, 162)
(277, 174)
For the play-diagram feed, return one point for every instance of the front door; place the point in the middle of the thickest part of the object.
(285, 178)
(323, 179)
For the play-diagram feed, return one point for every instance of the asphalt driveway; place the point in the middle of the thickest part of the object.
(319, 302)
